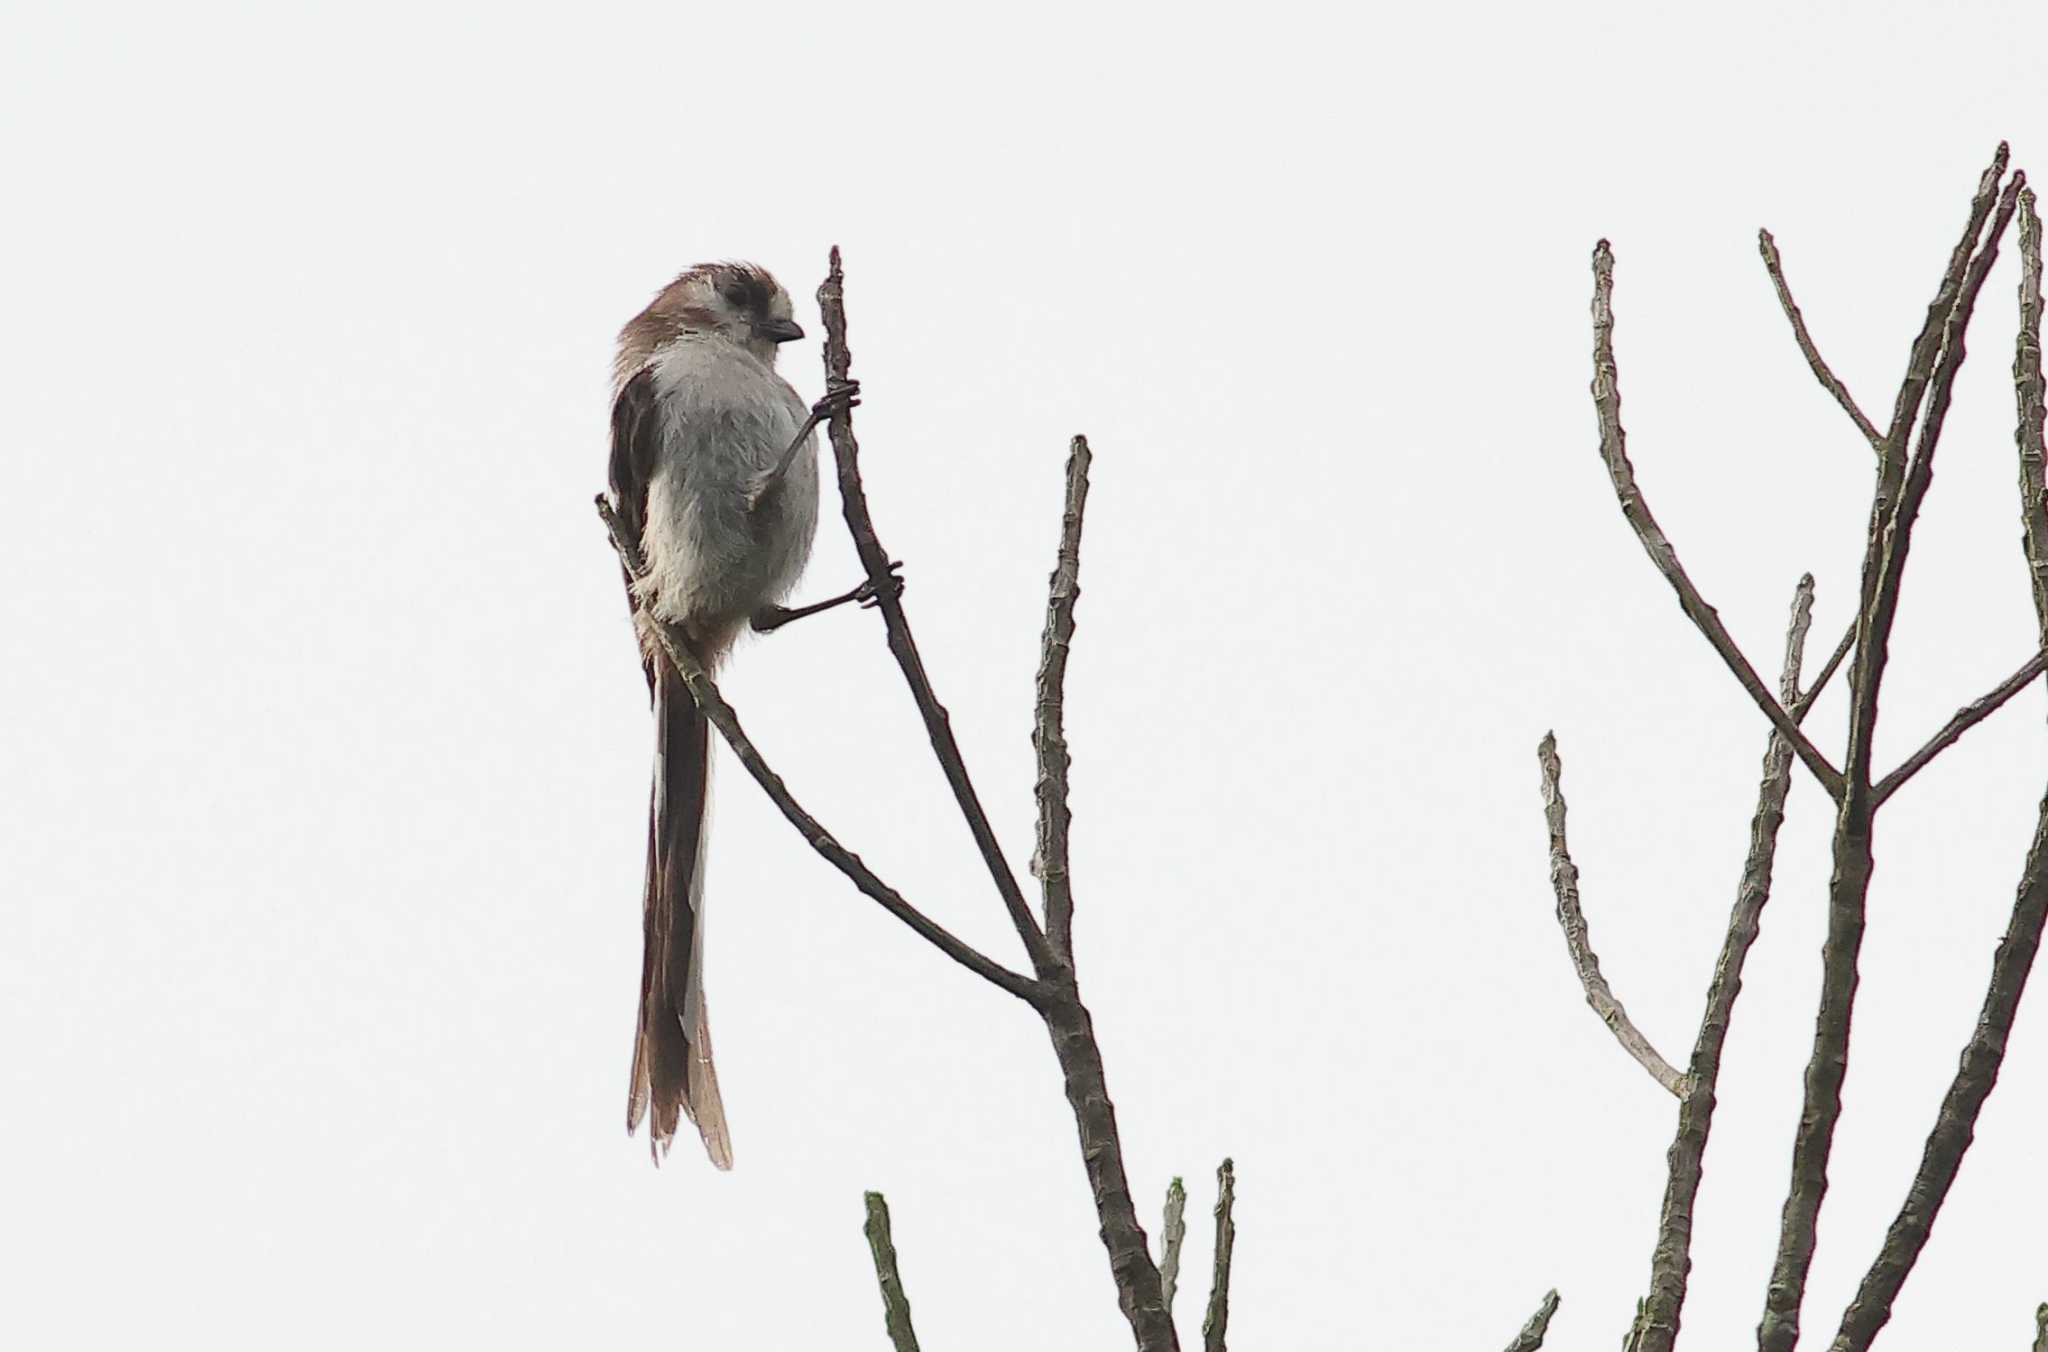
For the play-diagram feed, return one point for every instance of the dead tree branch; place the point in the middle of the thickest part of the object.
(1217, 1320)
(1614, 454)
(1173, 1233)
(1530, 1339)
(895, 1304)
(875, 560)
(1977, 1073)
(1656, 1328)
(1564, 879)
(1937, 354)
(1054, 995)
(1048, 732)
(1967, 717)
(1775, 265)
(2028, 432)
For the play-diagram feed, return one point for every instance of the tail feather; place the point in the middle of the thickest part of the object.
(672, 1069)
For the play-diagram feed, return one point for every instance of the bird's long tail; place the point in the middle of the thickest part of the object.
(672, 1068)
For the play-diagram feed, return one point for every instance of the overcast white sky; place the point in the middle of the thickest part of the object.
(325, 747)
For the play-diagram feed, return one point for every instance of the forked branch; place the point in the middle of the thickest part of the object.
(705, 691)
(938, 723)
(1614, 454)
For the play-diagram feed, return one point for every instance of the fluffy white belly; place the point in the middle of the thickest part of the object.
(726, 419)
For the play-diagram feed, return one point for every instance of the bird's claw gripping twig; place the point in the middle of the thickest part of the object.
(768, 619)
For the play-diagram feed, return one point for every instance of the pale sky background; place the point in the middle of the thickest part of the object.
(325, 747)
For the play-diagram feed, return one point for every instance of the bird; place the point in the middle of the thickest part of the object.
(714, 473)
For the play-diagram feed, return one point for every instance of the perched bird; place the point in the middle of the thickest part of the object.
(714, 469)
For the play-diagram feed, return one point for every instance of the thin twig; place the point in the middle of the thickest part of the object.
(1564, 879)
(705, 691)
(1894, 507)
(1171, 1236)
(1533, 1333)
(2028, 391)
(1048, 732)
(1967, 717)
(1218, 1319)
(1055, 996)
(895, 1304)
(1656, 1326)
(1614, 453)
(1827, 672)
(1774, 265)
(875, 559)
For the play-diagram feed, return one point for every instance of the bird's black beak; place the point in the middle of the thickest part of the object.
(781, 330)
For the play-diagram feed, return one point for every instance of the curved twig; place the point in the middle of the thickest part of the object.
(1614, 453)
(1564, 879)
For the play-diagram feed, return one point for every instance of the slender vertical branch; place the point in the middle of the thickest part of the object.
(2041, 1328)
(1775, 265)
(1530, 1339)
(1656, 1328)
(895, 1304)
(1937, 353)
(2028, 433)
(1175, 1231)
(1048, 733)
(1218, 1318)
(1614, 454)
(1140, 1294)
(1564, 880)
(938, 723)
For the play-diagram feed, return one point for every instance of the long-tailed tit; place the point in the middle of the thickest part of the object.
(714, 465)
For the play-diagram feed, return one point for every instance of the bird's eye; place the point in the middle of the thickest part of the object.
(735, 295)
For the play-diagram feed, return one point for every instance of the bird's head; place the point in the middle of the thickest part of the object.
(739, 302)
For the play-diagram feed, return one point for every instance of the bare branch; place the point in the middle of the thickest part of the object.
(1776, 267)
(1956, 1124)
(2041, 1328)
(1967, 717)
(2027, 432)
(875, 559)
(1218, 1318)
(1172, 1235)
(1827, 672)
(721, 715)
(1671, 1260)
(1564, 879)
(1048, 733)
(895, 1304)
(1139, 1293)
(1977, 1073)
(1614, 452)
(1937, 354)
(1892, 534)
(1533, 1333)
